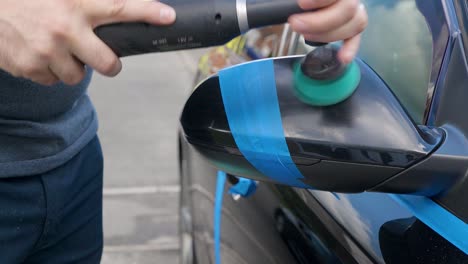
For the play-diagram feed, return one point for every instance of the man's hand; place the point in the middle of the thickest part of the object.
(51, 40)
(332, 21)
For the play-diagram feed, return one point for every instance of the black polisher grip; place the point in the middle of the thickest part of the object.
(270, 12)
(200, 23)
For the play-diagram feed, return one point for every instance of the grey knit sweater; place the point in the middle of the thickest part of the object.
(42, 127)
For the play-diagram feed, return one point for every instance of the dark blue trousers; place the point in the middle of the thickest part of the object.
(55, 217)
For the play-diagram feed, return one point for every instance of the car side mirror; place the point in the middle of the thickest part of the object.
(365, 143)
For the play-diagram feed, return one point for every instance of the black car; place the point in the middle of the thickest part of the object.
(395, 191)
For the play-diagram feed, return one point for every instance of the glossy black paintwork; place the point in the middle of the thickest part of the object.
(443, 171)
(347, 227)
(251, 232)
(408, 240)
(348, 131)
(250, 227)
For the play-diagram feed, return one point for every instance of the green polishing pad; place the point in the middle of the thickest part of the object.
(326, 92)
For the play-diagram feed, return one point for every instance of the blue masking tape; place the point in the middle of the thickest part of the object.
(218, 211)
(437, 218)
(251, 103)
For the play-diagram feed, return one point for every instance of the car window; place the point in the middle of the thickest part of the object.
(397, 44)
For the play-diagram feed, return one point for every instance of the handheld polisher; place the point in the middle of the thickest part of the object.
(205, 23)
(321, 79)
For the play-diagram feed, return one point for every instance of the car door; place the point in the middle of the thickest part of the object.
(416, 47)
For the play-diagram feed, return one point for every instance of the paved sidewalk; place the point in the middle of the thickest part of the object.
(138, 112)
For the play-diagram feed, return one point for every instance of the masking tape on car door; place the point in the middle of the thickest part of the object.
(437, 218)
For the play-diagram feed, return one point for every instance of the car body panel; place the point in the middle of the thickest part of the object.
(280, 224)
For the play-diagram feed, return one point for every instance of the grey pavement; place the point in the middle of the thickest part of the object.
(138, 112)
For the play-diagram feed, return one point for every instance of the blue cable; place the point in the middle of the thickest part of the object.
(218, 207)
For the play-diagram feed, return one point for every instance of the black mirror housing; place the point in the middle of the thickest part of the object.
(362, 144)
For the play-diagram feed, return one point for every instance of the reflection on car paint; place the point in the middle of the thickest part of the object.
(304, 244)
(363, 215)
(303, 231)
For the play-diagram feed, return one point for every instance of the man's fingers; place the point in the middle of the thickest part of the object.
(349, 49)
(112, 11)
(354, 27)
(68, 69)
(314, 4)
(325, 19)
(34, 68)
(94, 53)
(45, 77)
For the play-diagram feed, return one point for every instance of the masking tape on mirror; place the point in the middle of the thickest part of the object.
(252, 109)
